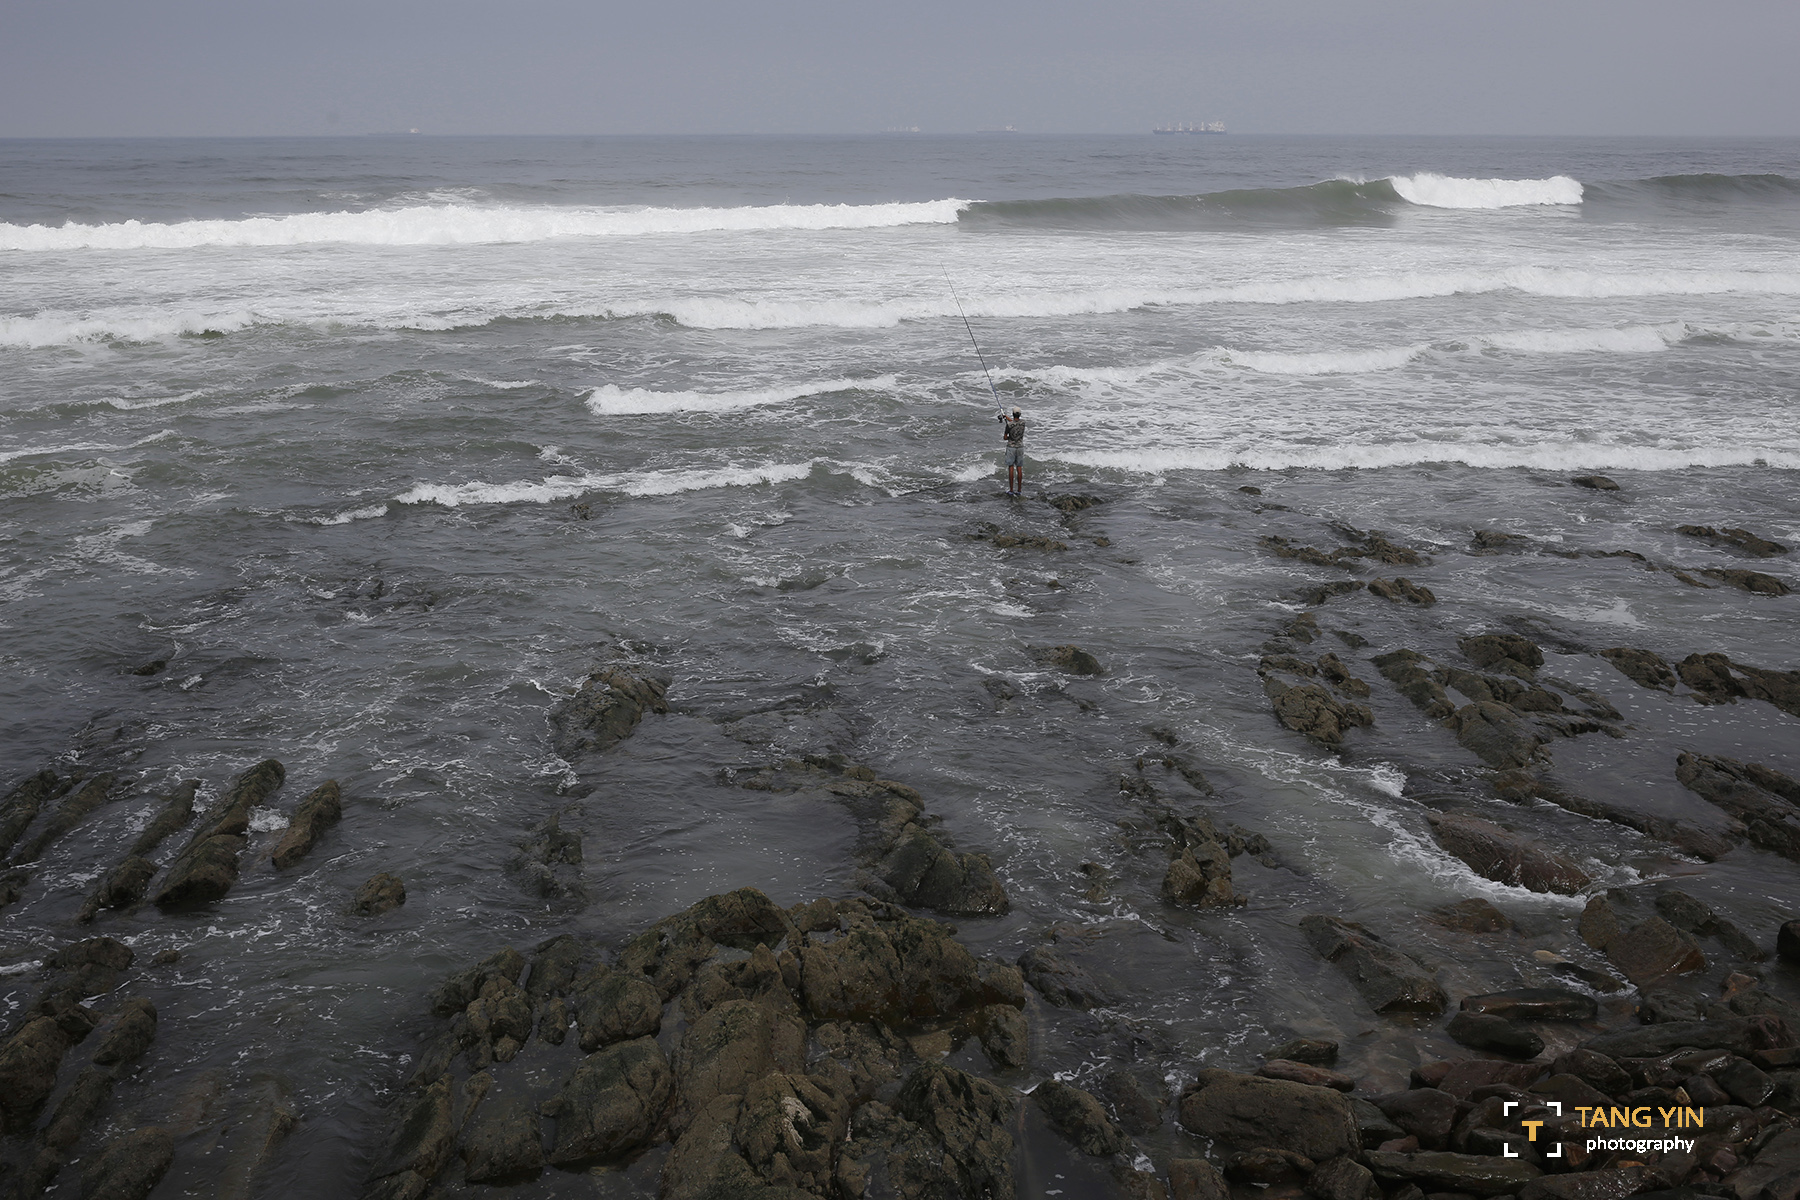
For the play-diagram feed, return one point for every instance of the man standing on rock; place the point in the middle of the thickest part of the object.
(1012, 436)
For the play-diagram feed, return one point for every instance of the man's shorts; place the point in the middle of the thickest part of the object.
(1015, 455)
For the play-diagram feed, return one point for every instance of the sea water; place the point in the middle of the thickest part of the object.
(382, 444)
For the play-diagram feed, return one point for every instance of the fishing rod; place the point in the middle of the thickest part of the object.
(972, 341)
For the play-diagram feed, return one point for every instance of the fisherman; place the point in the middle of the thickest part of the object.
(1012, 435)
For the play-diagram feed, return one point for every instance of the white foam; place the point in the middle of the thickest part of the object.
(563, 487)
(1629, 339)
(83, 447)
(1447, 191)
(63, 330)
(611, 401)
(344, 518)
(1325, 362)
(465, 224)
(1547, 456)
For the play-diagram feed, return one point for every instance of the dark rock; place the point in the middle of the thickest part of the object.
(1484, 1031)
(427, 1131)
(1199, 873)
(1388, 979)
(176, 811)
(615, 1006)
(24, 802)
(1506, 857)
(1507, 653)
(1063, 983)
(382, 893)
(1495, 733)
(1534, 1004)
(1298, 1072)
(605, 711)
(207, 867)
(502, 1141)
(317, 813)
(1315, 712)
(1428, 1114)
(121, 887)
(1748, 581)
(1268, 1166)
(68, 814)
(554, 966)
(1684, 912)
(1571, 1092)
(894, 970)
(1314, 1051)
(1072, 502)
(1330, 591)
(1342, 1179)
(1740, 1035)
(1642, 667)
(1402, 590)
(1598, 483)
(1463, 1077)
(1004, 1035)
(28, 1063)
(1246, 1111)
(861, 1058)
(1137, 1109)
(1079, 1117)
(132, 1031)
(969, 1118)
(925, 873)
(1405, 670)
(1196, 1179)
(130, 1166)
(460, 990)
(730, 1046)
(1747, 793)
(1653, 949)
(1442, 1171)
(1472, 916)
(615, 1102)
(1740, 539)
(76, 1110)
(1787, 941)
(1613, 1184)
(1250, 490)
(1743, 1082)
(1593, 1067)
(1072, 659)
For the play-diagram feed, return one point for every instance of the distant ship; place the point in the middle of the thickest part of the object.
(1203, 127)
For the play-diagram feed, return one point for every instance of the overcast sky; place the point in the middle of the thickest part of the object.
(201, 67)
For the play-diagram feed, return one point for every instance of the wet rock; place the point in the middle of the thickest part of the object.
(1079, 1117)
(969, 1118)
(421, 1144)
(1686, 913)
(1748, 581)
(1004, 1035)
(28, 1063)
(1716, 679)
(605, 711)
(1199, 873)
(1506, 857)
(1442, 1171)
(318, 812)
(1196, 1179)
(1590, 1066)
(1018, 541)
(1342, 1179)
(1388, 979)
(1534, 1004)
(1484, 1031)
(131, 1033)
(615, 1006)
(24, 802)
(1507, 653)
(892, 970)
(1072, 502)
(1472, 916)
(1250, 490)
(1338, 673)
(925, 873)
(1405, 669)
(789, 1128)
(1461, 1078)
(67, 815)
(1653, 949)
(1267, 1166)
(1747, 793)
(130, 1166)
(1137, 1108)
(502, 1142)
(177, 810)
(1496, 734)
(613, 1103)
(207, 867)
(1062, 982)
(1330, 591)
(1493, 541)
(1313, 1051)
(1598, 483)
(1740, 1035)
(1315, 712)
(382, 893)
(1402, 590)
(1247, 1111)
(1737, 539)
(732, 1045)
(1428, 1114)
(1298, 1072)
(121, 887)
(1072, 659)
(1787, 941)
(460, 990)
(860, 1058)
(554, 966)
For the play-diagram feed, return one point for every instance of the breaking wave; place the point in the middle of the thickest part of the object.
(462, 224)
(566, 487)
(610, 400)
(1546, 456)
(1444, 191)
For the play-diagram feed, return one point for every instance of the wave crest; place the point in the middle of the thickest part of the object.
(612, 401)
(1447, 191)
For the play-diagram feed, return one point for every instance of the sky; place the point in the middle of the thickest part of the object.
(259, 67)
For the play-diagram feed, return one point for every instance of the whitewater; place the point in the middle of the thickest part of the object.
(364, 454)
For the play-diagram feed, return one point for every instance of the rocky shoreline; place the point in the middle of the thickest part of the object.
(857, 1046)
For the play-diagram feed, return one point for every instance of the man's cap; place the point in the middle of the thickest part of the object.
(1016, 412)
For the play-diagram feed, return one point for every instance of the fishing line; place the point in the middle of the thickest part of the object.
(972, 341)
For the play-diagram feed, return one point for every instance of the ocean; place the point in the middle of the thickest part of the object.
(379, 446)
